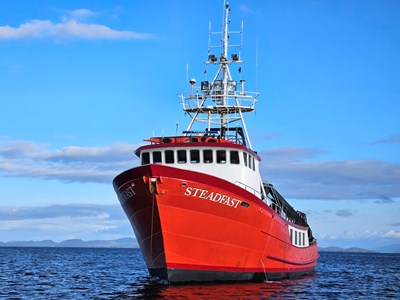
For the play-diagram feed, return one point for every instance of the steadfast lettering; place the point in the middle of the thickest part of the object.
(126, 194)
(212, 196)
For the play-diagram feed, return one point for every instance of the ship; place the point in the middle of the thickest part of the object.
(199, 208)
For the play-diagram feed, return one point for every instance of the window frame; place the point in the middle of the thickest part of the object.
(204, 156)
(179, 153)
(235, 161)
(153, 156)
(142, 158)
(194, 156)
(221, 159)
(168, 154)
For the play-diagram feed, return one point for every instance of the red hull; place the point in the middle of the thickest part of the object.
(195, 227)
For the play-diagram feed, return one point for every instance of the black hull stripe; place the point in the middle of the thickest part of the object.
(183, 276)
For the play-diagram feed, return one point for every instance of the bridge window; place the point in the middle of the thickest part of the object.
(194, 156)
(169, 156)
(182, 156)
(157, 157)
(221, 156)
(207, 156)
(245, 159)
(234, 157)
(250, 161)
(145, 158)
(295, 237)
(254, 165)
(291, 235)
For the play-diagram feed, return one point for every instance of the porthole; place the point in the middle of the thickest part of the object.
(244, 204)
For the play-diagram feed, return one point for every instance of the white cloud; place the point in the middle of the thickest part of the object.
(76, 154)
(111, 212)
(71, 26)
(32, 29)
(392, 234)
(299, 174)
(61, 222)
(80, 13)
(294, 171)
(357, 235)
(344, 213)
(74, 29)
(70, 164)
(394, 139)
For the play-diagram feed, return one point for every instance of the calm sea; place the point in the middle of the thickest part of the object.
(82, 273)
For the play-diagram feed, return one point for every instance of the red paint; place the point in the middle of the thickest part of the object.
(178, 230)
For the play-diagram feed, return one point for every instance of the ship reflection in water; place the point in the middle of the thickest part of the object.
(286, 289)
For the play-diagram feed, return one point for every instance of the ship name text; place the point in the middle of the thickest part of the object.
(212, 196)
(126, 194)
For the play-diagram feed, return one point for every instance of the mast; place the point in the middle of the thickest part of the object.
(217, 103)
(224, 65)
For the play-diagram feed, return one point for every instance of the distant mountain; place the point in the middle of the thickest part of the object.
(339, 249)
(45, 243)
(119, 243)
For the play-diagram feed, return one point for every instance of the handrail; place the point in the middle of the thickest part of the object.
(247, 188)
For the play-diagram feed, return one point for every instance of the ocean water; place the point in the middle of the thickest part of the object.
(89, 273)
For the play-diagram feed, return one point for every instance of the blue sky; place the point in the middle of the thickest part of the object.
(82, 83)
